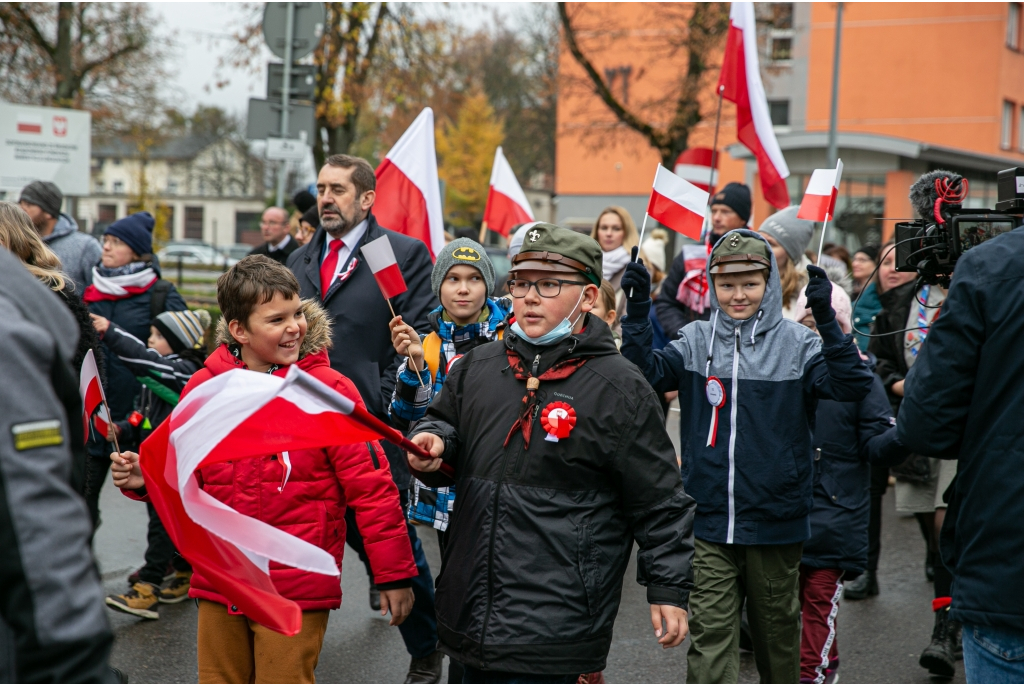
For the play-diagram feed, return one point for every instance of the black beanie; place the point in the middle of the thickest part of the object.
(736, 197)
(303, 200)
(312, 216)
(870, 250)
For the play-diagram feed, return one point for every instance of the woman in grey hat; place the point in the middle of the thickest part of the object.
(789, 237)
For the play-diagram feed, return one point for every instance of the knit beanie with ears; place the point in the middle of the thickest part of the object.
(465, 252)
(183, 330)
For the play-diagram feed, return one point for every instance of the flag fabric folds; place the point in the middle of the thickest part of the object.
(408, 191)
(506, 202)
(237, 415)
(380, 257)
(740, 83)
(677, 204)
(92, 394)
(819, 201)
(694, 165)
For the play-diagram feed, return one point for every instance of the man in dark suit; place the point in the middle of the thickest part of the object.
(331, 268)
(274, 227)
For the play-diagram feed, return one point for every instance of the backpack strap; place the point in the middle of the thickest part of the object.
(432, 353)
(158, 298)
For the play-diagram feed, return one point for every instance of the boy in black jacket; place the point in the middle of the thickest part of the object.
(175, 351)
(561, 461)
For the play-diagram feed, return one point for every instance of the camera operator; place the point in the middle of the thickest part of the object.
(962, 400)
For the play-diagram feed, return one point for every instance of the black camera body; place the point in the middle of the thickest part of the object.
(932, 248)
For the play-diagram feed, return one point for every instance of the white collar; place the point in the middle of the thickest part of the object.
(352, 238)
(281, 245)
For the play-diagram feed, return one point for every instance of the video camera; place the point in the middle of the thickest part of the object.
(931, 248)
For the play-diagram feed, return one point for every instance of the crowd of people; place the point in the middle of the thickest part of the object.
(543, 411)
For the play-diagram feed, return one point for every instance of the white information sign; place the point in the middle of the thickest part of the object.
(290, 149)
(44, 144)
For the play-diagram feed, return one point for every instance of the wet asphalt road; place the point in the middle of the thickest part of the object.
(879, 639)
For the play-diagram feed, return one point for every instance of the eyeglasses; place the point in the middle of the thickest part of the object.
(546, 287)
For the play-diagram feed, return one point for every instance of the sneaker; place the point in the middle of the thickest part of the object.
(134, 577)
(939, 657)
(863, 586)
(426, 670)
(177, 590)
(141, 600)
(374, 598)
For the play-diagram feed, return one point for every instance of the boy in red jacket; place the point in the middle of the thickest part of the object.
(266, 328)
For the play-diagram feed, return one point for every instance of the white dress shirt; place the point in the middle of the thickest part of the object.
(281, 245)
(348, 243)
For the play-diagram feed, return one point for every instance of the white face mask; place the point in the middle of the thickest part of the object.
(557, 334)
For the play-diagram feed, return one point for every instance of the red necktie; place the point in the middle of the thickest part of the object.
(329, 266)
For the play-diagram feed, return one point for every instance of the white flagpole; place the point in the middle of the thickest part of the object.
(643, 227)
(821, 243)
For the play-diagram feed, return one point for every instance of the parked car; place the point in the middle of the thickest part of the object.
(191, 252)
(236, 252)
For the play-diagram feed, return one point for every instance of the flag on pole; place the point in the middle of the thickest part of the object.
(819, 201)
(740, 82)
(506, 202)
(380, 257)
(239, 415)
(694, 165)
(678, 204)
(92, 393)
(408, 191)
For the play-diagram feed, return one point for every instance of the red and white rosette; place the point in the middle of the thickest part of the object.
(557, 419)
(715, 391)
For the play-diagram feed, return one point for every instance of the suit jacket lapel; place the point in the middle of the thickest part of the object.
(315, 248)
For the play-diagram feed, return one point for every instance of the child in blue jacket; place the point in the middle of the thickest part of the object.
(748, 383)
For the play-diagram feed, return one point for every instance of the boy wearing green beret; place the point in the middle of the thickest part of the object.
(561, 461)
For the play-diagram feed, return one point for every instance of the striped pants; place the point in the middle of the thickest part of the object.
(820, 589)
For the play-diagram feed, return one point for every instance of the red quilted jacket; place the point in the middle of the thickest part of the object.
(312, 504)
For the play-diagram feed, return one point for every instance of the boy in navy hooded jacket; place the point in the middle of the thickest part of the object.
(748, 383)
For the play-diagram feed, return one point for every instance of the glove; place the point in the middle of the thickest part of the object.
(819, 295)
(636, 282)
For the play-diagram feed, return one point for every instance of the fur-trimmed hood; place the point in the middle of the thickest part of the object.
(318, 329)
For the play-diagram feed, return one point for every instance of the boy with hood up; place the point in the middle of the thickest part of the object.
(748, 381)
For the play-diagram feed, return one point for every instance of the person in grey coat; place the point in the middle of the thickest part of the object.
(78, 252)
(50, 594)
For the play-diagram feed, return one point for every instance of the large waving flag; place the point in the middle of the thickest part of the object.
(694, 165)
(408, 191)
(237, 415)
(740, 82)
(678, 204)
(819, 201)
(92, 393)
(506, 202)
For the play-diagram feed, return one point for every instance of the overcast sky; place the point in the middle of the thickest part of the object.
(201, 34)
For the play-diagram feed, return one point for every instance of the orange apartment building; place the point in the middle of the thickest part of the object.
(921, 86)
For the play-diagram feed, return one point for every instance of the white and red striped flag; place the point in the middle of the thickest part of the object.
(694, 165)
(92, 394)
(740, 82)
(678, 204)
(819, 203)
(408, 192)
(506, 202)
(380, 257)
(239, 415)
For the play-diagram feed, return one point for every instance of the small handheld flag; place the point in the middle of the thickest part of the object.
(678, 204)
(380, 257)
(93, 398)
(819, 203)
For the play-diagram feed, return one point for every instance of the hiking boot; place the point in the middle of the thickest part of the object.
(939, 657)
(141, 600)
(426, 670)
(134, 577)
(863, 586)
(177, 590)
(374, 598)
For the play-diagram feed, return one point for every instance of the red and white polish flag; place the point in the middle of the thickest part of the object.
(92, 394)
(30, 123)
(678, 204)
(380, 257)
(740, 82)
(506, 202)
(694, 165)
(238, 415)
(819, 203)
(408, 192)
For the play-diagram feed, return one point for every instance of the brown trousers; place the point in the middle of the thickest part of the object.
(234, 649)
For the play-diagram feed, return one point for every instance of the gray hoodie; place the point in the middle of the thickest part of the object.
(78, 252)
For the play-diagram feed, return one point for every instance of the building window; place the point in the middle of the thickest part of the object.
(782, 48)
(107, 214)
(247, 228)
(1006, 130)
(172, 187)
(782, 15)
(118, 187)
(98, 186)
(779, 111)
(117, 161)
(194, 223)
(1013, 26)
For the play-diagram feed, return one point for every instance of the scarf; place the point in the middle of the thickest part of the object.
(614, 261)
(694, 292)
(528, 411)
(120, 282)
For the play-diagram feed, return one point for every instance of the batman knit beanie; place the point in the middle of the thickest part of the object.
(466, 252)
(183, 330)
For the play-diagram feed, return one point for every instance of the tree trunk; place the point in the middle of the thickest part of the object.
(67, 84)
